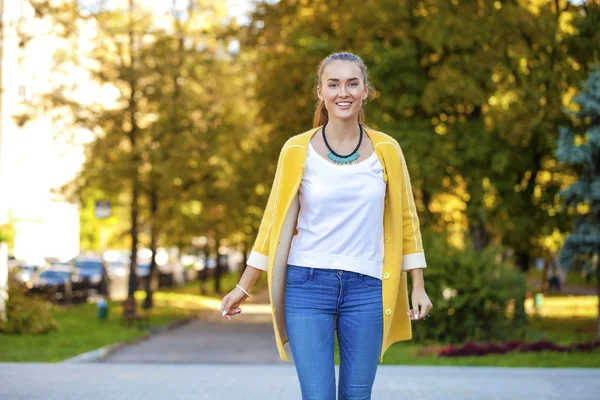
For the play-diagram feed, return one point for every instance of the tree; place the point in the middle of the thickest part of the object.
(474, 109)
(579, 147)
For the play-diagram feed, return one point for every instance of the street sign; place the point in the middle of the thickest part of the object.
(103, 209)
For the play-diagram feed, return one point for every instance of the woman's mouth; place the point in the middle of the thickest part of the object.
(344, 105)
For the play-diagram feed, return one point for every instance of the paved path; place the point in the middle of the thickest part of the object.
(215, 359)
(265, 382)
(211, 339)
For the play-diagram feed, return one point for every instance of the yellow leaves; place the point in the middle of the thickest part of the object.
(306, 13)
(485, 183)
(523, 66)
(583, 208)
(260, 189)
(441, 129)
(543, 177)
(524, 182)
(497, 5)
(537, 194)
(192, 208)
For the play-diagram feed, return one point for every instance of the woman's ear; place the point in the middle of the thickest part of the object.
(319, 94)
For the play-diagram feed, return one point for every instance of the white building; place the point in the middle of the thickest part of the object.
(35, 158)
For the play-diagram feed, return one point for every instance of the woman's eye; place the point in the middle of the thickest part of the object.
(354, 84)
(332, 85)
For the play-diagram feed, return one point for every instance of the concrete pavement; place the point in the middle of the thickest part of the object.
(264, 382)
(213, 359)
(211, 339)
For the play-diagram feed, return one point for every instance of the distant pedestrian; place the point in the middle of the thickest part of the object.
(339, 232)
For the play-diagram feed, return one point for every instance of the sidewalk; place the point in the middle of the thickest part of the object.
(265, 382)
(247, 338)
(212, 358)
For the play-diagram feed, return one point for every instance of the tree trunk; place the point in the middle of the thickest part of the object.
(134, 177)
(218, 268)
(148, 303)
(479, 235)
(522, 260)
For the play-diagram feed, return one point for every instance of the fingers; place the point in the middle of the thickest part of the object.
(225, 307)
(420, 312)
(229, 308)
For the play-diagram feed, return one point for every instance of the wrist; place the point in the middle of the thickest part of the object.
(246, 292)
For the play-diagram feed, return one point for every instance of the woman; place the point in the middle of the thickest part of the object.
(338, 234)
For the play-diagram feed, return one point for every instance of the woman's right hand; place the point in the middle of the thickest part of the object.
(231, 303)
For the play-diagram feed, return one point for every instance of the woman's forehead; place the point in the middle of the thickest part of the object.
(341, 69)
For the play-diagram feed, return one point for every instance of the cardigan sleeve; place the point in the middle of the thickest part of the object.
(413, 253)
(259, 256)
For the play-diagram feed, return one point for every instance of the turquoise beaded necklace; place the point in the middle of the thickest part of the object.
(339, 159)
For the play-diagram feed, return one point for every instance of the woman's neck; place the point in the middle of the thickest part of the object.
(342, 130)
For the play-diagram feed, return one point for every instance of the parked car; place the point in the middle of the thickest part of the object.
(94, 274)
(117, 268)
(59, 283)
(25, 272)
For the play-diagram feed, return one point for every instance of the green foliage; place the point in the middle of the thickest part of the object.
(26, 314)
(7, 234)
(579, 146)
(470, 107)
(471, 292)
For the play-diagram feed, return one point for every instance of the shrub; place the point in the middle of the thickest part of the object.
(26, 314)
(471, 292)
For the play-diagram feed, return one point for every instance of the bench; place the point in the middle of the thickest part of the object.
(131, 317)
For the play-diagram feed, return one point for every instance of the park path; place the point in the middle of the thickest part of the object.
(276, 382)
(215, 359)
(211, 339)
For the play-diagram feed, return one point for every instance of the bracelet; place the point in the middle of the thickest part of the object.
(242, 289)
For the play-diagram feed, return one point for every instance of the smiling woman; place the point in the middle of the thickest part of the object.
(338, 236)
(345, 75)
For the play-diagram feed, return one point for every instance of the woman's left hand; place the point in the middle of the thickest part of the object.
(421, 304)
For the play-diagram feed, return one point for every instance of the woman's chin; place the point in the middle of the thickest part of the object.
(344, 116)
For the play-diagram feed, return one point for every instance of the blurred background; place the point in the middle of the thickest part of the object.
(139, 139)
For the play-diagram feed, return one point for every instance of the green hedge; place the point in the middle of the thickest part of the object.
(26, 314)
(471, 292)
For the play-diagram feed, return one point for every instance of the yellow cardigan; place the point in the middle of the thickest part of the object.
(403, 247)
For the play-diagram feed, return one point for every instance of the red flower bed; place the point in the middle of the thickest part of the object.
(482, 349)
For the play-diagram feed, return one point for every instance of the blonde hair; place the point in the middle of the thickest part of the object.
(321, 115)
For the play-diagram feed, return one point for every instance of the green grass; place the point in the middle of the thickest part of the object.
(562, 331)
(573, 279)
(81, 331)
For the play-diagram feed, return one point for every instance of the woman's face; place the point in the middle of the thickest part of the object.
(342, 89)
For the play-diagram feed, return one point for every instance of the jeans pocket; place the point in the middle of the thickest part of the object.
(370, 281)
(297, 275)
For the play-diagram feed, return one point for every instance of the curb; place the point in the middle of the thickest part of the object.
(103, 353)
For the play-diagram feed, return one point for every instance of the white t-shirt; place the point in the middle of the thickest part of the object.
(340, 224)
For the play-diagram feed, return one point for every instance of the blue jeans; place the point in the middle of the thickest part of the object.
(313, 297)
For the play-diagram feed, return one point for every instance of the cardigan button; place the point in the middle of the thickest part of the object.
(386, 275)
(387, 239)
(388, 312)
